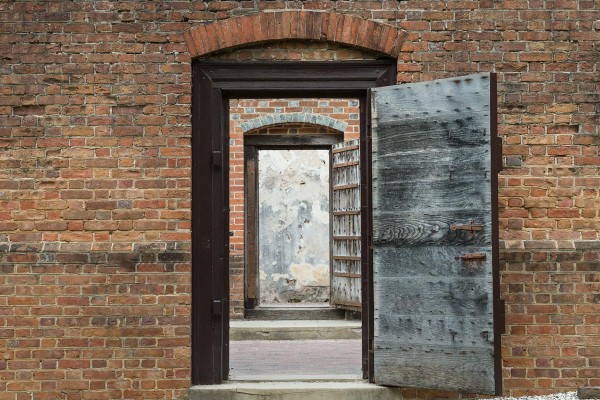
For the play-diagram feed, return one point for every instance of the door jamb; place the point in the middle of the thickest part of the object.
(213, 84)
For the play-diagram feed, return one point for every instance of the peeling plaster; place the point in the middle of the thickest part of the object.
(293, 226)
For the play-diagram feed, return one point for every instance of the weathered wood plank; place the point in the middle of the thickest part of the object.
(346, 225)
(347, 186)
(346, 200)
(348, 305)
(251, 188)
(452, 297)
(349, 266)
(344, 176)
(344, 149)
(441, 367)
(346, 275)
(353, 212)
(347, 291)
(438, 330)
(450, 164)
(430, 261)
(403, 228)
(350, 258)
(445, 130)
(348, 164)
(452, 96)
(433, 311)
(431, 194)
(347, 245)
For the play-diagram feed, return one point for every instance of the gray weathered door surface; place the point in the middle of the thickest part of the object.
(345, 226)
(433, 241)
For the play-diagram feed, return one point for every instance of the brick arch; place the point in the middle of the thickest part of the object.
(283, 25)
(294, 118)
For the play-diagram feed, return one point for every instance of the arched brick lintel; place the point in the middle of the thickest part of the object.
(294, 118)
(282, 25)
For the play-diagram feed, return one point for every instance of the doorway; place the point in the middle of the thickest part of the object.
(430, 202)
(288, 322)
(214, 85)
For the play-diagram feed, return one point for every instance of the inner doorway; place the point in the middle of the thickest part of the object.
(282, 129)
(289, 321)
(293, 227)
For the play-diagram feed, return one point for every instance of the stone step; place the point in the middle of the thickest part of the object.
(294, 329)
(297, 312)
(329, 390)
(589, 392)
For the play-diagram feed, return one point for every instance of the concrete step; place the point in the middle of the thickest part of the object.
(294, 329)
(329, 390)
(294, 312)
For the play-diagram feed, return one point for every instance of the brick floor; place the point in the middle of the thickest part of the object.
(254, 358)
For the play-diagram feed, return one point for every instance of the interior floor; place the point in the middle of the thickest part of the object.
(338, 359)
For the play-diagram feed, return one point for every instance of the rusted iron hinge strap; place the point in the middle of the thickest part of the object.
(472, 256)
(472, 226)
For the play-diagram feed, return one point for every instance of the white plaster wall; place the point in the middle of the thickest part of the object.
(293, 226)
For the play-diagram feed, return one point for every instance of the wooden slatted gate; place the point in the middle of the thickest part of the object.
(345, 226)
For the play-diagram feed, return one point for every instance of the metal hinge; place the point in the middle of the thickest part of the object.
(500, 320)
(472, 226)
(472, 257)
(217, 159)
(217, 307)
(500, 166)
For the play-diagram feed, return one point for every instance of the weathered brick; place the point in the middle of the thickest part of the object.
(101, 205)
(51, 225)
(98, 137)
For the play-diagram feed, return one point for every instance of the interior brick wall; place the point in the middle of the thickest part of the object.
(95, 182)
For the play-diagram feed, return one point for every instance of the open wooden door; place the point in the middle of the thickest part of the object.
(435, 249)
(345, 226)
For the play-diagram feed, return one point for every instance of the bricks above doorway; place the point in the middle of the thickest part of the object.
(284, 25)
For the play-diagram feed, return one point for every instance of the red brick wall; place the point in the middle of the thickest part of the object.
(95, 199)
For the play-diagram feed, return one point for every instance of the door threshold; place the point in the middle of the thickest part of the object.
(294, 330)
(296, 390)
(296, 312)
(309, 306)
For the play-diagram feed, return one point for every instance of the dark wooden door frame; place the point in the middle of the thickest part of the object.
(213, 84)
(252, 144)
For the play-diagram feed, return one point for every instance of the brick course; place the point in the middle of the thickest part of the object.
(95, 176)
